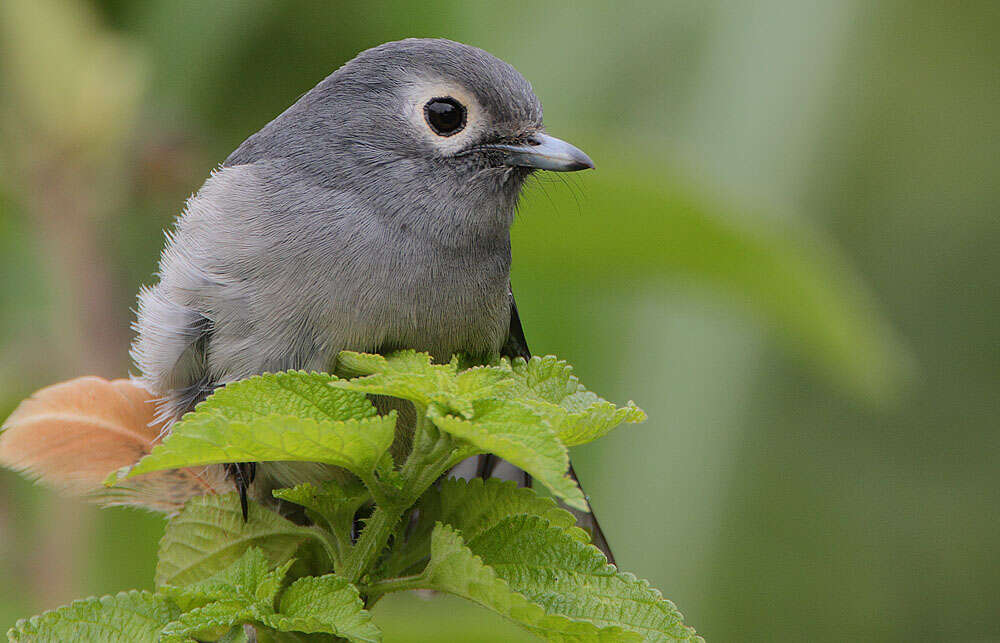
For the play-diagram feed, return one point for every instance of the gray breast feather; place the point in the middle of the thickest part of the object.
(253, 281)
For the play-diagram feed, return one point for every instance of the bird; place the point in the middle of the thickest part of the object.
(372, 215)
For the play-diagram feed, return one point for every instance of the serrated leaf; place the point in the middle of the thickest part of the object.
(211, 621)
(298, 393)
(245, 592)
(548, 385)
(128, 617)
(334, 502)
(208, 438)
(324, 604)
(209, 535)
(413, 376)
(242, 593)
(253, 578)
(471, 507)
(290, 416)
(405, 374)
(455, 569)
(517, 434)
(573, 579)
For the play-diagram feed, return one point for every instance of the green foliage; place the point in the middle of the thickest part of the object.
(497, 545)
(128, 616)
(455, 569)
(246, 592)
(210, 534)
(292, 416)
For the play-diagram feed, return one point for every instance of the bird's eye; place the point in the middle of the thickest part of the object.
(446, 116)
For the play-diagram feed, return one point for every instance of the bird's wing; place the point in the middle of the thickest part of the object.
(517, 346)
(172, 352)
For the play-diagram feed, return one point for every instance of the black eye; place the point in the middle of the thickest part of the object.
(446, 116)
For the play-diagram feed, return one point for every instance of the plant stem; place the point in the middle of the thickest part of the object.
(404, 583)
(432, 452)
(373, 540)
(331, 546)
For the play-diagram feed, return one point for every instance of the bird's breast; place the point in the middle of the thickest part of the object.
(441, 303)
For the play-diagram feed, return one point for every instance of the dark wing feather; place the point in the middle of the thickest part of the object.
(516, 345)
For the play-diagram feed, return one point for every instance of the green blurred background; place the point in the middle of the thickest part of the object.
(788, 256)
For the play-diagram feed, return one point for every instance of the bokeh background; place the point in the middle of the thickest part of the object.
(788, 256)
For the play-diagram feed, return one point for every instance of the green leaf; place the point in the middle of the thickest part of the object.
(126, 617)
(250, 579)
(324, 604)
(204, 439)
(412, 376)
(291, 416)
(211, 621)
(517, 434)
(573, 579)
(405, 374)
(209, 535)
(245, 592)
(235, 635)
(548, 385)
(333, 502)
(455, 569)
(471, 507)
(298, 393)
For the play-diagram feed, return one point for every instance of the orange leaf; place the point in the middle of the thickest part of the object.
(72, 435)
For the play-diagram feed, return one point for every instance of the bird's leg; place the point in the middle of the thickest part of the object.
(242, 475)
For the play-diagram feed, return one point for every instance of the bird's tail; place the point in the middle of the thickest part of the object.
(588, 520)
(72, 435)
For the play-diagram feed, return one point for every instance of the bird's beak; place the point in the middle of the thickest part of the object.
(545, 152)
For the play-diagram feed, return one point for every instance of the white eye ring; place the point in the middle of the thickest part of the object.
(421, 92)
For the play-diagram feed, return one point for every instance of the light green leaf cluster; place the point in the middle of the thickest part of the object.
(291, 416)
(331, 503)
(526, 412)
(123, 618)
(302, 569)
(455, 569)
(574, 579)
(246, 592)
(470, 506)
(209, 535)
(520, 555)
(578, 415)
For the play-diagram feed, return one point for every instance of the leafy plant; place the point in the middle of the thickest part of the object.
(296, 568)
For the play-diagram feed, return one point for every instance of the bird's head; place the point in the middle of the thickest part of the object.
(420, 128)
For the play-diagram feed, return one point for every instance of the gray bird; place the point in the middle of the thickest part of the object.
(372, 215)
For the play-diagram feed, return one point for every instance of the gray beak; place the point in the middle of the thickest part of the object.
(545, 152)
